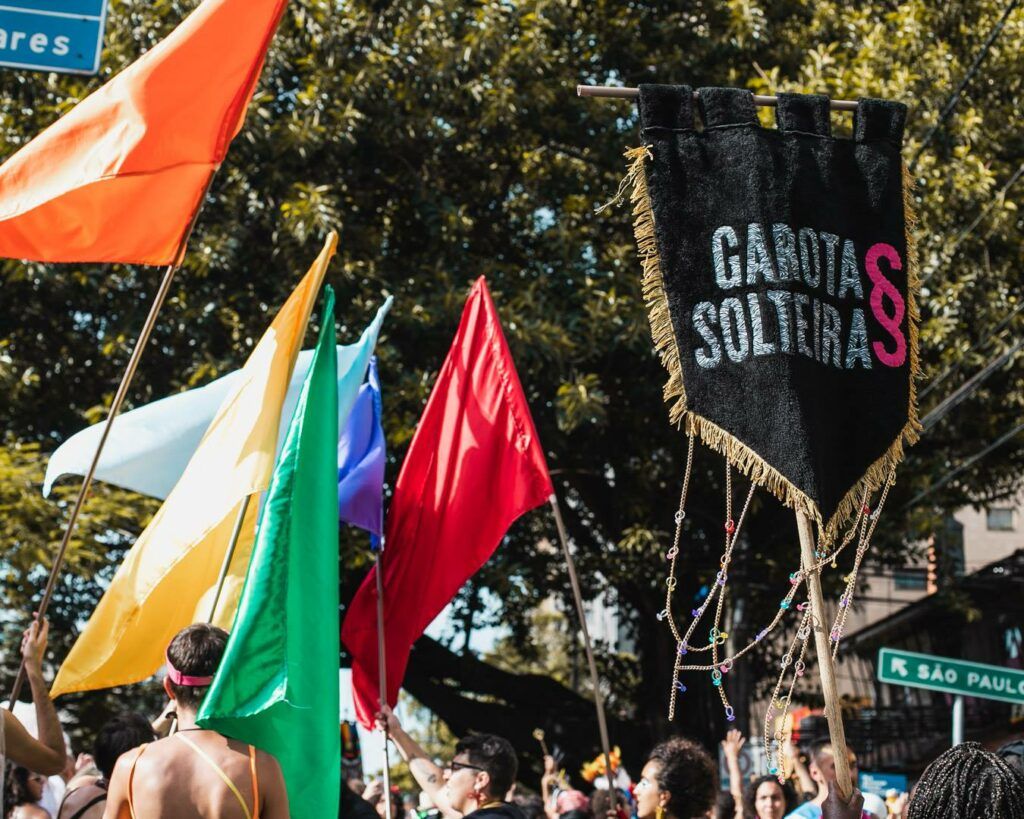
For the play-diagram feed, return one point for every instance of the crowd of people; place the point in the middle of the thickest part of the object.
(143, 769)
(679, 780)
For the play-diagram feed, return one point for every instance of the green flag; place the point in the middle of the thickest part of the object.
(277, 686)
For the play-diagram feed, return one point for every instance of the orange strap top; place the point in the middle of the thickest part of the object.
(254, 814)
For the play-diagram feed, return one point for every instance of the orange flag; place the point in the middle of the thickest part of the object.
(119, 177)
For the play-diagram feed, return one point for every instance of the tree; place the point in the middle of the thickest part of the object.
(444, 140)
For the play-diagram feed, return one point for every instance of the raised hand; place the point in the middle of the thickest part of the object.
(33, 644)
(733, 743)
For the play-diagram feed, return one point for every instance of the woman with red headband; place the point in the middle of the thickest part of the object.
(196, 772)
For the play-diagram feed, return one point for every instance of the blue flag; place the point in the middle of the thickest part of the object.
(361, 456)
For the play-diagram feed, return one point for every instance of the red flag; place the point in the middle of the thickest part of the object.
(474, 465)
(120, 176)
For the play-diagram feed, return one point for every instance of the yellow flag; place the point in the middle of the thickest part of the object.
(168, 579)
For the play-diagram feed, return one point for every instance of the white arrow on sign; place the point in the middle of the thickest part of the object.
(899, 666)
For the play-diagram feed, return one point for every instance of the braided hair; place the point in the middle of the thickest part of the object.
(968, 782)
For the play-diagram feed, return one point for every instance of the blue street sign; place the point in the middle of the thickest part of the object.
(880, 783)
(52, 35)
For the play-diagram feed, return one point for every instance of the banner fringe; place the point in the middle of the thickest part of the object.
(741, 456)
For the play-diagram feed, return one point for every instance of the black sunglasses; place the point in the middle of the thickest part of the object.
(455, 767)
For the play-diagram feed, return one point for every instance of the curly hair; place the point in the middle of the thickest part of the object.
(686, 771)
(750, 796)
(968, 782)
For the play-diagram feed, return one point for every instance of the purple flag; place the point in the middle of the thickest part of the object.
(361, 460)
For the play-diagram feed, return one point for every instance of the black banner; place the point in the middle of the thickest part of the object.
(781, 286)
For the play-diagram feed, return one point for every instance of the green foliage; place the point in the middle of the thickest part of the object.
(444, 141)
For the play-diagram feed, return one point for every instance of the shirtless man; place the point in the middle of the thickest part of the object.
(195, 772)
(45, 755)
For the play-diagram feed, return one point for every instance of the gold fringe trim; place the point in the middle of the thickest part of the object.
(653, 284)
(741, 456)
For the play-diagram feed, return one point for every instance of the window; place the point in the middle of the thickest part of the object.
(999, 519)
(911, 579)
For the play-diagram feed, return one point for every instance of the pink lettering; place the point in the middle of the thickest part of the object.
(883, 287)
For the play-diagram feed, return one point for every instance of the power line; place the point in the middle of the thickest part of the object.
(981, 342)
(955, 96)
(965, 390)
(999, 197)
(965, 465)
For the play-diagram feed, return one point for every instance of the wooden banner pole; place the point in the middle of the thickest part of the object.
(823, 649)
(115, 408)
(228, 555)
(574, 581)
(382, 673)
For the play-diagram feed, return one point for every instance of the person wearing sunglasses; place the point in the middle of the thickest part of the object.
(476, 781)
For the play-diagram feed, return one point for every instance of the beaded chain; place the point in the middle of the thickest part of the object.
(773, 749)
(863, 525)
(846, 599)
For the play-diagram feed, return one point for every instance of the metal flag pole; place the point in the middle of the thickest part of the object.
(594, 681)
(823, 649)
(228, 555)
(958, 720)
(617, 92)
(382, 669)
(115, 408)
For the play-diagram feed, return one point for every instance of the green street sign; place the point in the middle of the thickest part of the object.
(990, 682)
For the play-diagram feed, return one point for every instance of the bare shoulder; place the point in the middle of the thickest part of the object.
(128, 758)
(267, 764)
(31, 812)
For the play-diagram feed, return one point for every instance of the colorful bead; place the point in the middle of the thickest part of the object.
(672, 553)
(680, 688)
(730, 715)
(784, 604)
(730, 526)
(716, 677)
(773, 770)
(794, 578)
(682, 649)
(803, 606)
(695, 612)
(761, 635)
(661, 615)
(835, 635)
